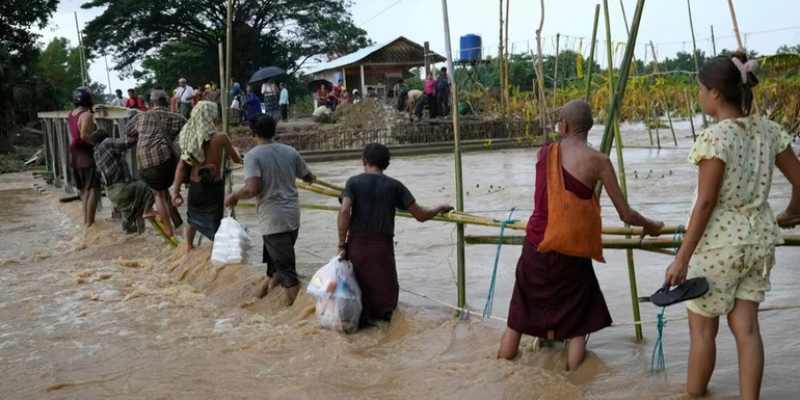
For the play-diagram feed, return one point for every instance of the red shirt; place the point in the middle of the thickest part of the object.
(136, 102)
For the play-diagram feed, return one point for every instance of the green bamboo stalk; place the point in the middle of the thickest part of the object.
(621, 176)
(690, 112)
(694, 47)
(671, 127)
(619, 97)
(591, 53)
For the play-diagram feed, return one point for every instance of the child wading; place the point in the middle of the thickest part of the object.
(732, 232)
(556, 293)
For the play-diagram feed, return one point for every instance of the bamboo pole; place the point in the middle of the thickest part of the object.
(625, 17)
(469, 219)
(735, 25)
(713, 42)
(690, 112)
(591, 54)
(501, 63)
(619, 97)
(657, 127)
(621, 176)
(507, 60)
(223, 85)
(671, 127)
(539, 70)
(555, 71)
(696, 56)
(612, 243)
(81, 55)
(460, 256)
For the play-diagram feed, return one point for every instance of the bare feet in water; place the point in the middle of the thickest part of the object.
(788, 219)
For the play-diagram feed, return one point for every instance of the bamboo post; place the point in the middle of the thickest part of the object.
(426, 60)
(713, 42)
(671, 127)
(735, 25)
(460, 256)
(591, 54)
(108, 76)
(555, 72)
(619, 95)
(657, 127)
(224, 84)
(647, 125)
(81, 55)
(694, 48)
(690, 112)
(624, 17)
(539, 70)
(507, 58)
(622, 180)
(501, 63)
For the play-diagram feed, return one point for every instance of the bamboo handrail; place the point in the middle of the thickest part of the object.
(614, 243)
(469, 219)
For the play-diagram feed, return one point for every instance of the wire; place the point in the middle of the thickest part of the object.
(381, 12)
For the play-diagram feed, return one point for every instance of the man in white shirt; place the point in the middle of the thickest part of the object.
(118, 101)
(184, 94)
(284, 102)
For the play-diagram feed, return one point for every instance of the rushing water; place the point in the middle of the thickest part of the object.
(98, 314)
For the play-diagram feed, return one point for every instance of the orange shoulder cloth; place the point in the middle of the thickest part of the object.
(574, 225)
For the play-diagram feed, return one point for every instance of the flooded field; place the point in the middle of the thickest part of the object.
(97, 314)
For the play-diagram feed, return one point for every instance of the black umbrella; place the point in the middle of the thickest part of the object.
(266, 73)
(315, 84)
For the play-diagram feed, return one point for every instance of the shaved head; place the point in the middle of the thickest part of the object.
(578, 116)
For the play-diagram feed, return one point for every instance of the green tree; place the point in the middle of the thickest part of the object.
(17, 53)
(284, 33)
(59, 69)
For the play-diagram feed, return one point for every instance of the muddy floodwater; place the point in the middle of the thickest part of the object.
(97, 314)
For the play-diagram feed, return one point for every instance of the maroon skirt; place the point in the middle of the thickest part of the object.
(376, 272)
(556, 293)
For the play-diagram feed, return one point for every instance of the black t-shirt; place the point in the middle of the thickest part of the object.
(375, 198)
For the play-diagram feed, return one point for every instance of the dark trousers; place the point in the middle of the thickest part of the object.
(278, 254)
(285, 112)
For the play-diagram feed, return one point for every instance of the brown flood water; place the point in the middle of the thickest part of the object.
(96, 314)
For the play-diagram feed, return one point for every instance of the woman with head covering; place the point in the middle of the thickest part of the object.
(202, 155)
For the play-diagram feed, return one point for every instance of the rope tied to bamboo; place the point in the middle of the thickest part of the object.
(657, 361)
(487, 309)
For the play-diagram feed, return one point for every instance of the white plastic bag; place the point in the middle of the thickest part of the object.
(338, 296)
(230, 243)
(235, 103)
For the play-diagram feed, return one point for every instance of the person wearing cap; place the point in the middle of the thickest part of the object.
(132, 197)
(157, 153)
(81, 150)
(184, 95)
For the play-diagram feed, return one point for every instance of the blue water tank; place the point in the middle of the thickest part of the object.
(471, 48)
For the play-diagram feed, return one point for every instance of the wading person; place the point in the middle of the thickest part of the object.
(155, 132)
(130, 196)
(556, 293)
(732, 233)
(202, 150)
(81, 125)
(366, 231)
(270, 171)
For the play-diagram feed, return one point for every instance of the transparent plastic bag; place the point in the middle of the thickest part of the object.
(338, 296)
(230, 243)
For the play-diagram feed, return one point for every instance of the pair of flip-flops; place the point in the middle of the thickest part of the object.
(688, 290)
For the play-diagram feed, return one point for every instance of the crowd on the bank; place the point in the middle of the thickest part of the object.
(730, 238)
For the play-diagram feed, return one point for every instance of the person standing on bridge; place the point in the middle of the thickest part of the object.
(556, 293)
(366, 231)
(81, 125)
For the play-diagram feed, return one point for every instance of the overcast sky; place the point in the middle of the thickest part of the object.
(769, 23)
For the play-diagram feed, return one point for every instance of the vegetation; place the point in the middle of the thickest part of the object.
(179, 38)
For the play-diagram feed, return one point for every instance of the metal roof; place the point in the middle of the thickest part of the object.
(400, 51)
